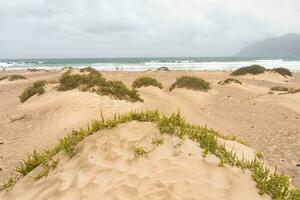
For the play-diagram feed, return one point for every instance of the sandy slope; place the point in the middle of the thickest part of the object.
(270, 123)
(105, 167)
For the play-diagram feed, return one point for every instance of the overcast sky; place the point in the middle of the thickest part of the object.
(137, 28)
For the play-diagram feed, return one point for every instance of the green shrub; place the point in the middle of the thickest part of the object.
(94, 82)
(282, 71)
(146, 81)
(4, 77)
(190, 82)
(16, 77)
(229, 80)
(279, 88)
(36, 88)
(89, 69)
(163, 69)
(253, 69)
(118, 90)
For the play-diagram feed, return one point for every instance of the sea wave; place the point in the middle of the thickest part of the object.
(144, 64)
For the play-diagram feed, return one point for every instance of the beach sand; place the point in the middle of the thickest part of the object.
(270, 123)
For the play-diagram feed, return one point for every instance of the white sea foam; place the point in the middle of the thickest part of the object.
(293, 65)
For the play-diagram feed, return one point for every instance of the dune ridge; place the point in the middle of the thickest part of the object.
(105, 166)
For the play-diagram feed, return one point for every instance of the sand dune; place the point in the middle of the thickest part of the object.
(269, 123)
(105, 167)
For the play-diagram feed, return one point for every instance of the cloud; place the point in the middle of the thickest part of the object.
(120, 28)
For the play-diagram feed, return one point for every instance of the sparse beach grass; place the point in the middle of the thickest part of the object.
(190, 82)
(272, 183)
(146, 81)
(16, 77)
(36, 88)
(95, 82)
(253, 69)
(229, 80)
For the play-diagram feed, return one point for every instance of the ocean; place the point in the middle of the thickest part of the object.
(141, 64)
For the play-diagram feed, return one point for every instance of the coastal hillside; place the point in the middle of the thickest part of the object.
(285, 46)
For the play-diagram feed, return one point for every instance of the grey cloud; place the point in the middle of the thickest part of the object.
(100, 28)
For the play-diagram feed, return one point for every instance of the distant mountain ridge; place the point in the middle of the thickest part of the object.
(285, 46)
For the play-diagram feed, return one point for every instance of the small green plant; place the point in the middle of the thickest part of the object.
(157, 141)
(146, 81)
(4, 77)
(16, 77)
(253, 69)
(190, 82)
(279, 88)
(36, 88)
(139, 151)
(259, 155)
(282, 71)
(31, 162)
(229, 80)
(9, 184)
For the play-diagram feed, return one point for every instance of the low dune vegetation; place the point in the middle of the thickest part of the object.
(279, 88)
(253, 69)
(163, 69)
(282, 71)
(13, 77)
(36, 88)
(285, 89)
(16, 77)
(270, 182)
(145, 82)
(229, 80)
(190, 82)
(4, 77)
(93, 81)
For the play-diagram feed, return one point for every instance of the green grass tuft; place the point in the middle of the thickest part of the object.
(16, 77)
(146, 81)
(190, 82)
(229, 80)
(253, 69)
(139, 151)
(157, 141)
(36, 88)
(9, 184)
(94, 82)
